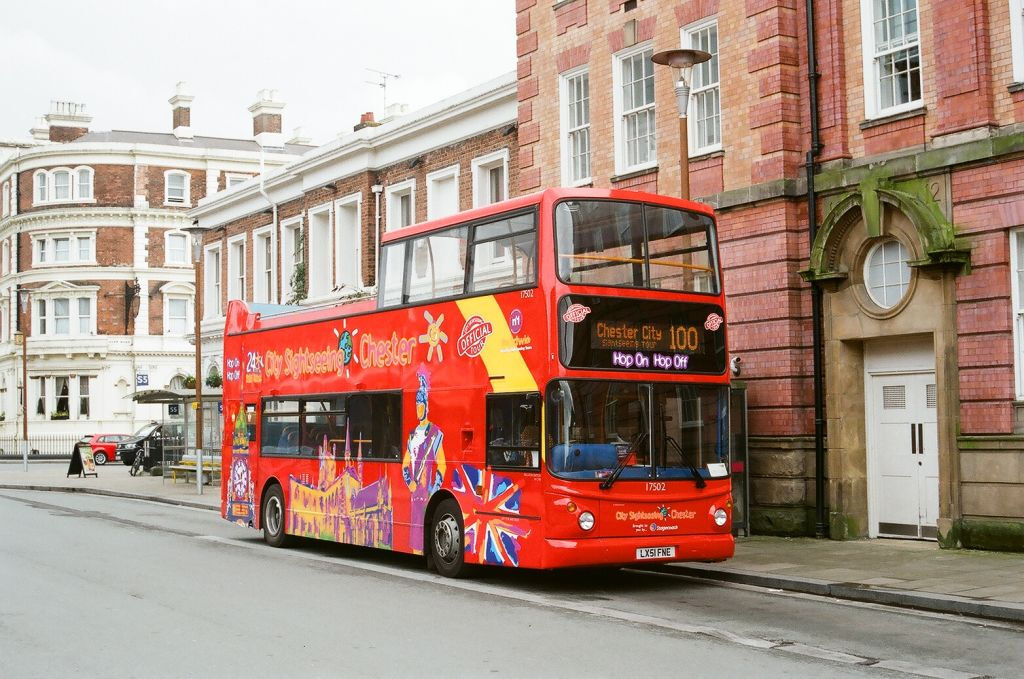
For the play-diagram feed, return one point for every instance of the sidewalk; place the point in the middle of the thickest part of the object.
(905, 573)
(113, 479)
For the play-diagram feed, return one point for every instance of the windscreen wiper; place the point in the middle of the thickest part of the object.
(693, 468)
(614, 476)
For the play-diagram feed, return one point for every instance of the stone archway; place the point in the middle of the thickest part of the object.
(880, 210)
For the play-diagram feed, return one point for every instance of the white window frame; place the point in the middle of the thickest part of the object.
(687, 39)
(871, 76)
(621, 166)
(186, 201)
(5, 194)
(91, 198)
(435, 211)
(186, 259)
(232, 179)
(344, 203)
(392, 198)
(1017, 38)
(212, 282)
(322, 249)
(46, 325)
(49, 191)
(563, 109)
(44, 250)
(236, 266)
(480, 168)
(5, 257)
(289, 229)
(178, 292)
(1017, 300)
(259, 265)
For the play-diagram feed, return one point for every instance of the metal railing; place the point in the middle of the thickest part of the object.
(40, 447)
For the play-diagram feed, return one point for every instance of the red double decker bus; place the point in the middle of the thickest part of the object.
(539, 383)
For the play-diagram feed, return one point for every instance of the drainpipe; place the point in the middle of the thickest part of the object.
(820, 522)
(377, 189)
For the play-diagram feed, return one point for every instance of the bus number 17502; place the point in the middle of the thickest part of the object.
(655, 486)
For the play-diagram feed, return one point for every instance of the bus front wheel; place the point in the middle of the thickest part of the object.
(273, 517)
(446, 539)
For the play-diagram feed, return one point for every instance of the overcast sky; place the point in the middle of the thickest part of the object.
(122, 59)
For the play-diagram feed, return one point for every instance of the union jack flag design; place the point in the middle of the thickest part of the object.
(485, 496)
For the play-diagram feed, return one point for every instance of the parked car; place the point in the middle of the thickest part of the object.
(104, 446)
(135, 444)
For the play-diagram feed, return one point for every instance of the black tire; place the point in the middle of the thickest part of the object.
(273, 517)
(127, 458)
(100, 458)
(447, 539)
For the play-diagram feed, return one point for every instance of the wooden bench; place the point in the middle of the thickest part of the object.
(189, 470)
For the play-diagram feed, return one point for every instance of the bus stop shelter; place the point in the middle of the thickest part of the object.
(178, 423)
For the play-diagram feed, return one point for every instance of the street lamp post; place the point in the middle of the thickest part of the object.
(22, 335)
(197, 311)
(682, 61)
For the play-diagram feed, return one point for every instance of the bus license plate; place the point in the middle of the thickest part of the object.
(655, 552)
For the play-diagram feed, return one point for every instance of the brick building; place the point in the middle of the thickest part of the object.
(919, 254)
(90, 232)
(305, 233)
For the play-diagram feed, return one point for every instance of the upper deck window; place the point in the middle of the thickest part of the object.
(499, 252)
(622, 244)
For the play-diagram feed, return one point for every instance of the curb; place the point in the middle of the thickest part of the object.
(940, 603)
(111, 493)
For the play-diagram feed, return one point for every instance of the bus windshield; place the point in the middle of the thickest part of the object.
(603, 242)
(652, 430)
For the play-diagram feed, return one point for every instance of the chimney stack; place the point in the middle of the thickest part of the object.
(299, 137)
(40, 131)
(181, 111)
(67, 121)
(266, 119)
(365, 120)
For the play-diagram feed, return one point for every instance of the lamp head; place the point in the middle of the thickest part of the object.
(682, 61)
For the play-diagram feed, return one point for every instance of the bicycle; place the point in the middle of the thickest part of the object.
(140, 457)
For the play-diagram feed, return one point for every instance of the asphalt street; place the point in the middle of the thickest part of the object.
(106, 587)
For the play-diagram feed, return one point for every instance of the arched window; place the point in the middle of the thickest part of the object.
(83, 183)
(62, 185)
(42, 189)
(177, 382)
(5, 194)
(176, 187)
(5, 257)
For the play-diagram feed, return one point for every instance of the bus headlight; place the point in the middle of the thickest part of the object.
(586, 520)
(721, 517)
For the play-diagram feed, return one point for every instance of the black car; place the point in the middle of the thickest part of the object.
(136, 444)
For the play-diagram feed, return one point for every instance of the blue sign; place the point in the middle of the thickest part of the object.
(173, 409)
(220, 407)
(141, 379)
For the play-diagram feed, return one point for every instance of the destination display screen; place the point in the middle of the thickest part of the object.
(607, 333)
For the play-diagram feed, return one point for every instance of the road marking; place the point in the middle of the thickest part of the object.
(719, 634)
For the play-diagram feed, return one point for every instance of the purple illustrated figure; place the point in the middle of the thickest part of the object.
(423, 466)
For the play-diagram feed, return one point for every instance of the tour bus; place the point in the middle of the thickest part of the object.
(539, 383)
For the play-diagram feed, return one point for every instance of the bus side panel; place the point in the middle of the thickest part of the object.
(444, 358)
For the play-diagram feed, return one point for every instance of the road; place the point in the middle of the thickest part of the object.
(105, 587)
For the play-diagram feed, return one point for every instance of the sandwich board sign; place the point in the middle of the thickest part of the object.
(82, 462)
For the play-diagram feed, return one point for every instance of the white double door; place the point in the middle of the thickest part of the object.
(905, 455)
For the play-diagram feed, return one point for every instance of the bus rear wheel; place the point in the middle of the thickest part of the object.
(273, 517)
(446, 539)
